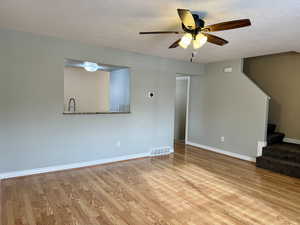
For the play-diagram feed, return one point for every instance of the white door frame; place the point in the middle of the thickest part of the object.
(187, 105)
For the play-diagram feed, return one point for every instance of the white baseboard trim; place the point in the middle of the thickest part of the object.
(70, 166)
(291, 140)
(213, 149)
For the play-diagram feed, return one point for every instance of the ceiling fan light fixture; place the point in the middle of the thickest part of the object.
(90, 66)
(185, 40)
(199, 41)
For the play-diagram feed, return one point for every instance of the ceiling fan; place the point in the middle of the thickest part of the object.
(195, 31)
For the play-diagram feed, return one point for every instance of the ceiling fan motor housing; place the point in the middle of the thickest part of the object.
(199, 25)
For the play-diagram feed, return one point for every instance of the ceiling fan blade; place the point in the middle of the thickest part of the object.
(175, 44)
(227, 25)
(215, 39)
(187, 18)
(161, 32)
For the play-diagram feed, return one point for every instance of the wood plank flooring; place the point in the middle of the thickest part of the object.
(190, 187)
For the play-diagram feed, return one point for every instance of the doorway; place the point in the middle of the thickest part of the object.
(181, 109)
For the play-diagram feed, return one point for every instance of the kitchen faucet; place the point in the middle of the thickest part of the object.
(72, 100)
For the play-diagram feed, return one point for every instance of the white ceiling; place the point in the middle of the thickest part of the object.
(116, 23)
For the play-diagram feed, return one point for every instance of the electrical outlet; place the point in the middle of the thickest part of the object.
(222, 139)
(118, 144)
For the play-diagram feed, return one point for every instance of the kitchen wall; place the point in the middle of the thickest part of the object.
(227, 105)
(90, 90)
(34, 133)
(279, 76)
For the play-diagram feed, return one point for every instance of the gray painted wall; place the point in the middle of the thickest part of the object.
(229, 105)
(33, 131)
(180, 109)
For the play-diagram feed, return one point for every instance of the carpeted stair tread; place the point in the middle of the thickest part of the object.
(277, 165)
(284, 146)
(275, 138)
(283, 151)
(279, 156)
(281, 161)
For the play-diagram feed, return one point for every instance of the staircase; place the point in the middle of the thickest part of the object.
(279, 156)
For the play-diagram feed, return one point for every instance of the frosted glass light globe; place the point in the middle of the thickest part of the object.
(90, 66)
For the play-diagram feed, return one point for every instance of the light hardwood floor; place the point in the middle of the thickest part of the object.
(190, 187)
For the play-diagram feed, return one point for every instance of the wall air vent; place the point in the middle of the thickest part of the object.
(161, 151)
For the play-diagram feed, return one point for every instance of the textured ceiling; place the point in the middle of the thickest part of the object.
(116, 23)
